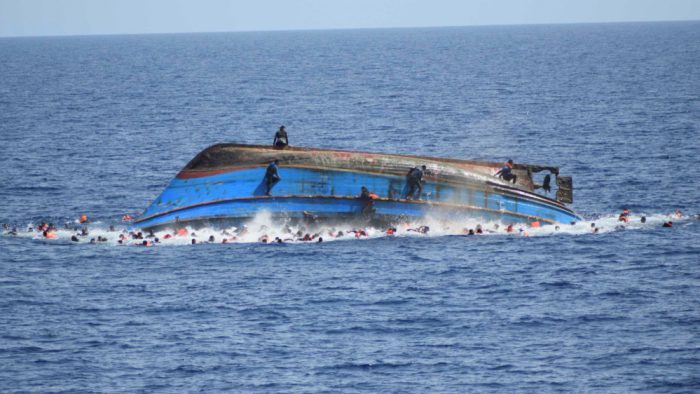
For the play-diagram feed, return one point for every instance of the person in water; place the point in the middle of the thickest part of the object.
(271, 176)
(281, 140)
(624, 216)
(506, 173)
(414, 180)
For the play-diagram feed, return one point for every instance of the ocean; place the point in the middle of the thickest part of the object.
(98, 125)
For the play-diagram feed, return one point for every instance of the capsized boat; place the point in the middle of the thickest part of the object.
(226, 182)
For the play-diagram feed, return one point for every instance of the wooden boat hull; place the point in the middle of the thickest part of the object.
(226, 183)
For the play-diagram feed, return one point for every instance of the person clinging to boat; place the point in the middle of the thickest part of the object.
(506, 173)
(271, 176)
(368, 198)
(281, 139)
(414, 181)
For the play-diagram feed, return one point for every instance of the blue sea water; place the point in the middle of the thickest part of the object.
(99, 125)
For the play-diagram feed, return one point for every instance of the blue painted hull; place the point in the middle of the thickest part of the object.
(238, 192)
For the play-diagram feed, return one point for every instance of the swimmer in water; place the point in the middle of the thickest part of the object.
(624, 216)
(420, 229)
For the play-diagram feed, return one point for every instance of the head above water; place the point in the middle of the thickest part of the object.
(281, 128)
(423, 167)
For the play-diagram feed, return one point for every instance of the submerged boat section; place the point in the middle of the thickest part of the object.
(228, 182)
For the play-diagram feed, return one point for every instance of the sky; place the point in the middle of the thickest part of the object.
(86, 17)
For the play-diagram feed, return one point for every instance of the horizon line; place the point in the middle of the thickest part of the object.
(352, 28)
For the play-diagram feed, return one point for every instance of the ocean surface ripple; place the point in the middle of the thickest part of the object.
(99, 125)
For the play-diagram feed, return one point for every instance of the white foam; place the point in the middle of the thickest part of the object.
(262, 226)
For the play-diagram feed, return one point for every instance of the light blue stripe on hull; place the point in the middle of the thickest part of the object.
(294, 207)
(239, 194)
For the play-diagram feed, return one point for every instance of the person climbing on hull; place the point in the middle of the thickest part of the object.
(271, 176)
(368, 202)
(506, 173)
(414, 182)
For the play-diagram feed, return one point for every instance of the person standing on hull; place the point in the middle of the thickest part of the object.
(414, 180)
(271, 176)
(506, 173)
(281, 140)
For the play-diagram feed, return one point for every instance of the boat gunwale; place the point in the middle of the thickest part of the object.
(483, 163)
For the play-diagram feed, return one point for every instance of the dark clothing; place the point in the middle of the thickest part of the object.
(271, 178)
(368, 207)
(546, 184)
(506, 173)
(414, 184)
(416, 173)
(281, 140)
(414, 180)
